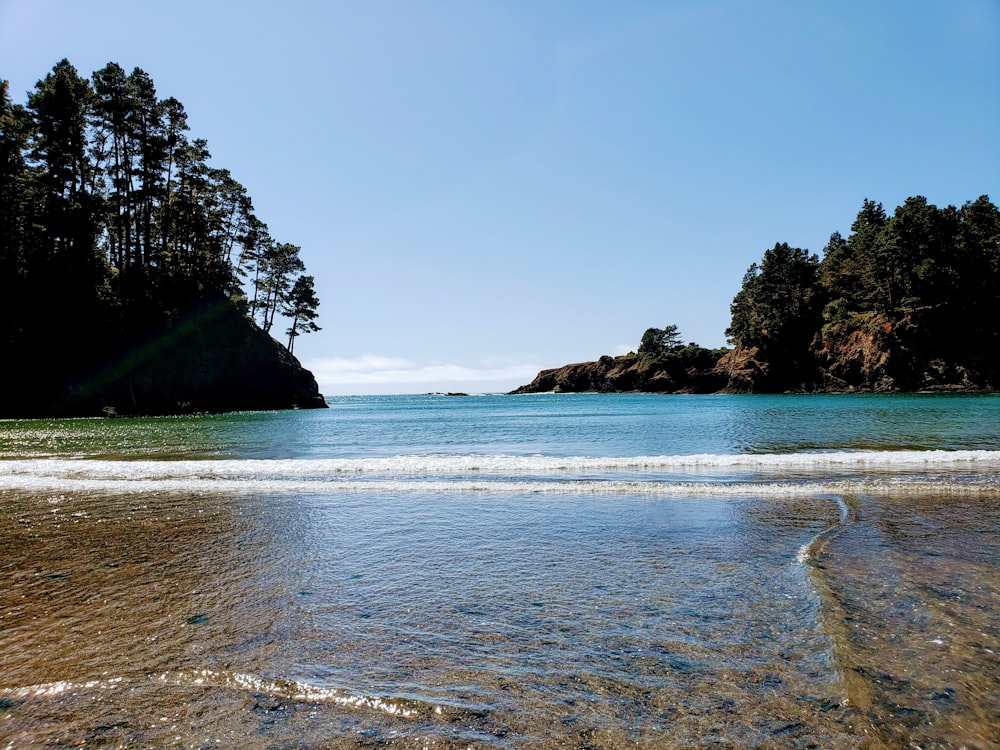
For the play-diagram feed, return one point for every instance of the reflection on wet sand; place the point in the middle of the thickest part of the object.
(910, 596)
(498, 621)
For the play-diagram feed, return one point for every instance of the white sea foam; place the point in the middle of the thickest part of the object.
(288, 689)
(502, 464)
(572, 487)
(728, 474)
(805, 552)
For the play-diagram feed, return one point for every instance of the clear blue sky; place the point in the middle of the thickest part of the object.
(484, 188)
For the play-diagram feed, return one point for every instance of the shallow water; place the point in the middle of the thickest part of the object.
(332, 591)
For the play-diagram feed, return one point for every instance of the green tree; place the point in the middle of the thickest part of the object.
(915, 257)
(60, 106)
(15, 217)
(978, 259)
(279, 262)
(300, 307)
(112, 150)
(15, 129)
(114, 225)
(777, 310)
(860, 283)
(656, 342)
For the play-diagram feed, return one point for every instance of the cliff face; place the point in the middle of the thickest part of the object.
(214, 361)
(893, 355)
(881, 356)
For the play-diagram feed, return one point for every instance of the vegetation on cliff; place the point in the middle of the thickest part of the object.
(125, 258)
(906, 302)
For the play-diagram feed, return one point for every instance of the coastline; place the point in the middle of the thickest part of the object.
(734, 372)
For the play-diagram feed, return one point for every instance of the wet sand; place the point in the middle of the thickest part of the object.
(200, 620)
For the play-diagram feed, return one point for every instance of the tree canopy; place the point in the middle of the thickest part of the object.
(657, 342)
(114, 222)
(927, 278)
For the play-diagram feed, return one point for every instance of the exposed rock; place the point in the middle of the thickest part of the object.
(859, 360)
(215, 361)
(887, 355)
(742, 370)
(691, 370)
(875, 355)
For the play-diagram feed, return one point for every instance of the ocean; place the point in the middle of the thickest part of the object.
(544, 571)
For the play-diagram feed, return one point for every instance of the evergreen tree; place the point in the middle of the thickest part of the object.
(15, 217)
(279, 263)
(114, 228)
(777, 311)
(64, 272)
(864, 291)
(300, 307)
(657, 342)
(109, 212)
(921, 286)
(61, 105)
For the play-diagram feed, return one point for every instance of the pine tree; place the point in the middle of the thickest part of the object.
(300, 306)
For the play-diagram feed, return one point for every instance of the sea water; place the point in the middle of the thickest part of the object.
(540, 571)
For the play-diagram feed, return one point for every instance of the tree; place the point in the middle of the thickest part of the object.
(278, 263)
(300, 306)
(864, 246)
(114, 227)
(915, 257)
(14, 185)
(777, 310)
(977, 261)
(63, 263)
(60, 106)
(15, 217)
(657, 342)
(112, 151)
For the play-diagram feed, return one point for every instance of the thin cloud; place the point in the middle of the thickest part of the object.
(370, 373)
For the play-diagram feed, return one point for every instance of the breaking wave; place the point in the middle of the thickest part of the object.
(833, 472)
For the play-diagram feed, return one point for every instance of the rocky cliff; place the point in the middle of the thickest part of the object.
(887, 355)
(691, 370)
(882, 356)
(213, 361)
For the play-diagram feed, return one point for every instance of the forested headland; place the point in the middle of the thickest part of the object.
(906, 302)
(135, 275)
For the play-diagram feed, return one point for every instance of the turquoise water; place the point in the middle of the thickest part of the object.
(490, 571)
(546, 424)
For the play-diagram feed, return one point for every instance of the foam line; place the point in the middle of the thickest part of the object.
(288, 689)
(809, 550)
(570, 487)
(251, 469)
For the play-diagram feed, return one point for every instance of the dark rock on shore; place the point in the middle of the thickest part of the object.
(690, 370)
(215, 360)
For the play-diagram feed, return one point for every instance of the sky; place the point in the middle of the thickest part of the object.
(483, 188)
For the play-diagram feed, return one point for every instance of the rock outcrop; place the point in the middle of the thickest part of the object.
(882, 356)
(214, 361)
(893, 355)
(691, 370)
